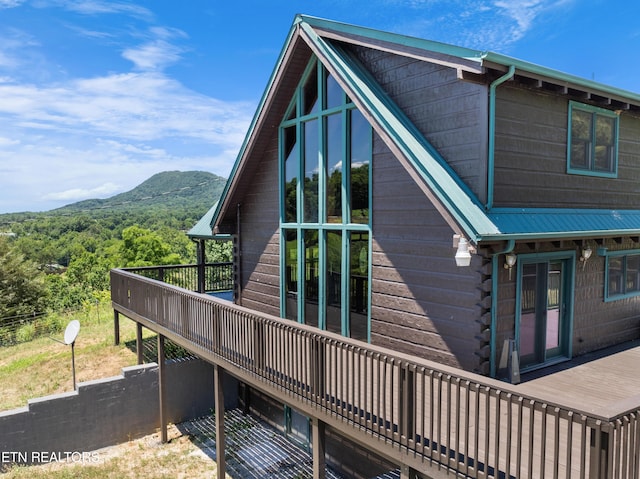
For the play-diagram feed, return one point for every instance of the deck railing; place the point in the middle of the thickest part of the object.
(420, 411)
(215, 276)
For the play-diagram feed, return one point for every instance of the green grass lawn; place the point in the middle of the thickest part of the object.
(43, 366)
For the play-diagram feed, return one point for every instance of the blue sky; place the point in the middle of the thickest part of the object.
(96, 96)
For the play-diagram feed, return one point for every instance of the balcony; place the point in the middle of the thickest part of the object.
(421, 415)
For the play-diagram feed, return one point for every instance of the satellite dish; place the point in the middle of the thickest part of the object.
(71, 333)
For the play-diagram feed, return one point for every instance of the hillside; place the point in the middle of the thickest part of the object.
(169, 189)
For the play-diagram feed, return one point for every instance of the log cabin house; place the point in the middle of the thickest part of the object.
(411, 206)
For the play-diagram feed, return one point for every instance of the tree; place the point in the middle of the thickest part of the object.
(22, 286)
(142, 247)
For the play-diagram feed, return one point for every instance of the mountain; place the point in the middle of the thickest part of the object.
(166, 190)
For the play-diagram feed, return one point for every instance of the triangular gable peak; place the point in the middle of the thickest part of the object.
(451, 197)
(456, 203)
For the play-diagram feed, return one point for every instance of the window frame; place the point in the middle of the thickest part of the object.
(623, 254)
(296, 117)
(594, 111)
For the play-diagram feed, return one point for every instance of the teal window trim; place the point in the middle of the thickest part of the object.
(569, 281)
(294, 117)
(624, 254)
(595, 112)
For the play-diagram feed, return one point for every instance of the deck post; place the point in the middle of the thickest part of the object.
(407, 403)
(116, 327)
(406, 472)
(599, 458)
(200, 245)
(219, 411)
(139, 343)
(318, 445)
(161, 388)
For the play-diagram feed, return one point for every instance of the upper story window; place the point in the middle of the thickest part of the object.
(593, 141)
(325, 158)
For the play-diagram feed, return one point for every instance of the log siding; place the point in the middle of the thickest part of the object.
(531, 156)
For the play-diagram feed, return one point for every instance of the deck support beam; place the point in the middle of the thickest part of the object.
(406, 472)
(318, 441)
(139, 343)
(116, 327)
(218, 373)
(600, 462)
(161, 388)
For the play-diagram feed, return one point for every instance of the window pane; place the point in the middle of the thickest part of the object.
(291, 274)
(581, 125)
(604, 148)
(334, 281)
(359, 284)
(335, 156)
(334, 92)
(292, 112)
(310, 92)
(360, 152)
(581, 139)
(528, 310)
(311, 154)
(633, 269)
(291, 174)
(616, 285)
(554, 294)
(311, 274)
(580, 152)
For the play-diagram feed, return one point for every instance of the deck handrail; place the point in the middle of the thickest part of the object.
(215, 276)
(441, 415)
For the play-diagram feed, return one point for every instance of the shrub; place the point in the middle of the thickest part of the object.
(26, 333)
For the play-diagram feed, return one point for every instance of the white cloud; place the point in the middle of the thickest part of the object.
(100, 7)
(8, 142)
(153, 56)
(77, 194)
(10, 3)
(480, 24)
(142, 107)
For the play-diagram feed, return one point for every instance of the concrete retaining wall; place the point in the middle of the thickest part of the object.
(105, 412)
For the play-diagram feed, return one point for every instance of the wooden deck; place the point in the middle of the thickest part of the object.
(582, 422)
(600, 383)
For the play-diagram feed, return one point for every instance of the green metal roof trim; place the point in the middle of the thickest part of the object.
(441, 179)
(540, 223)
(479, 56)
(202, 228)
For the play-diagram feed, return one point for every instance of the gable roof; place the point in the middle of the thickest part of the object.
(449, 194)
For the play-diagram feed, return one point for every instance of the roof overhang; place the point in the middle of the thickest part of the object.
(551, 223)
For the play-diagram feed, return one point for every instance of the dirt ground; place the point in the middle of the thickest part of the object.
(147, 457)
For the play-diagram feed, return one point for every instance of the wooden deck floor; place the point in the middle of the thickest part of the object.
(598, 383)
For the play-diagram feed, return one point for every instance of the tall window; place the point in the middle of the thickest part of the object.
(325, 158)
(593, 140)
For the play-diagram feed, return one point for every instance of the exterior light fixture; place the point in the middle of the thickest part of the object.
(585, 255)
(509, 262)
(463, 253)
